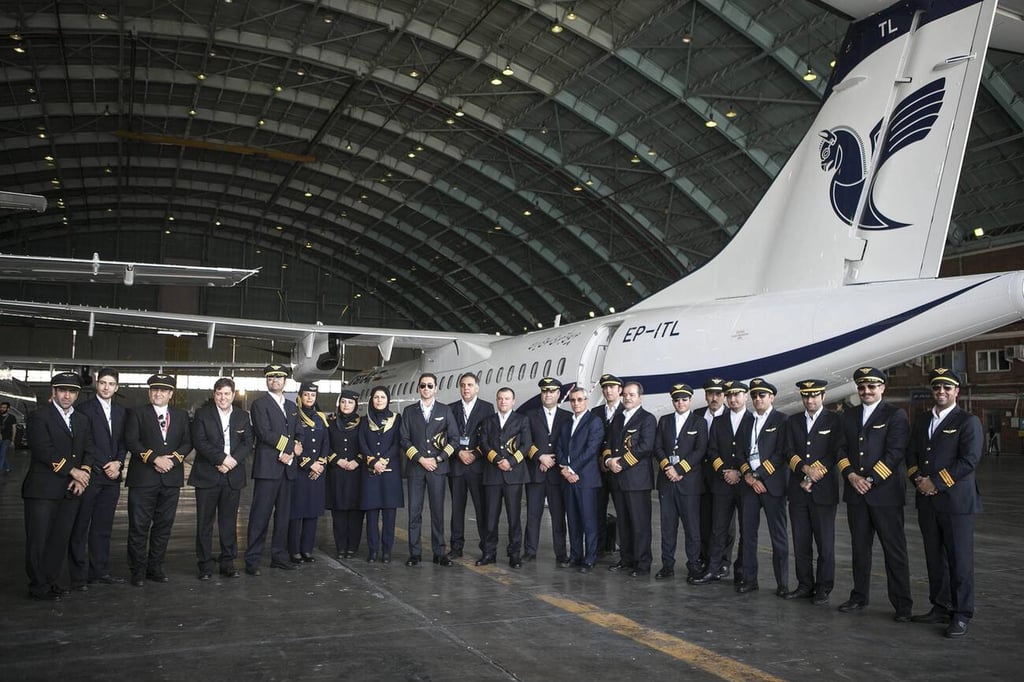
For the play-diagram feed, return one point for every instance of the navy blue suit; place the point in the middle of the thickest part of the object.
(581, 451)
(949, 458)
(545, 485)
(435, 437)
(633, 442)
(467, 481)
(509, 443)
(90, 537)
(680, 500)
(607, 480)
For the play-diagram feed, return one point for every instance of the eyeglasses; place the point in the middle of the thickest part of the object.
(548, 390)
(426, 385)
(759, 394)
(938, 388)
(680, 398)
(867, 387)
(578, 400)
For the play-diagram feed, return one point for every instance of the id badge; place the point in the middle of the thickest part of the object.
(464, 441)
(673, 459)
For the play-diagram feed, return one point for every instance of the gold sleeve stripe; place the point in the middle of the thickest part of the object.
(631, 459)
(57, 466)
(86, 467)
(178, 457)
(304, 461)
(744, 468)
(606, 453)
(844, 464)
(333, 456)
(769, 467)
(912, 470)
(663, 463)
(518, 456)
(449, 450)
(794, 462)
(146, 455)
(946, 478)
(411, 452)
(818, 466)
(323, 460)
(882, 470)
(533, 451)
(686, 466)
(282, 443)
(717, 464)
(491, 454)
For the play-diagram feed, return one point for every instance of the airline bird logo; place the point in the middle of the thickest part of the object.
(842, 152)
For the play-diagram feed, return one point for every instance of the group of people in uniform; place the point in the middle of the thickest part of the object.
(714, 469)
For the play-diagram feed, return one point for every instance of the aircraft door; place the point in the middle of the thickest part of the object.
(591, 364)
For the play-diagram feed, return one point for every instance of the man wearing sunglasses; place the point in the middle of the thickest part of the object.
(871, 457)
(428, 435)
(943, 455)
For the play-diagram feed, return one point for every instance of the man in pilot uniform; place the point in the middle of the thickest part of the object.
(275, 424)
(159, 438)
(875, 435)
(715, 407)
(466, 471)
(60, 442)
(428, 436)
(942, 458)
(679, 448)
(611, 390)
(545, 478)
(504, 441)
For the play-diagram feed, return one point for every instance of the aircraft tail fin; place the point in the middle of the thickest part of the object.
(868, 194)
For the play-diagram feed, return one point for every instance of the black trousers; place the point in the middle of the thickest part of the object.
(675, 508)
(512, 495)
(218, 503)
(949, 556)
(536, 494)
(89, 547)
(270, 497)
(724, 510)
(774, 508)
(865, 522)
(633, 525)
(603, 496)
(432, 485)
(813, 522)
(582, 519)
(706, 512)
(347, 527)
(48, 526)
(151, 512)
(470, 485)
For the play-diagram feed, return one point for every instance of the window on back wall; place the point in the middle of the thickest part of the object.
(933, 360)
(992, 361)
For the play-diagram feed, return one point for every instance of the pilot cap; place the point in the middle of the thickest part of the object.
(161, 381)
(942, 375)
(869, 375)
(734, 387)
(67, 380)
(714, 384)
(811, 386)
(549, 384)
(276, 370)
(610, 380)
(309, 387)
(759, 384)
(681, 391)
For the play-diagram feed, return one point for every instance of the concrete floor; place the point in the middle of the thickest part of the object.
(351, 620)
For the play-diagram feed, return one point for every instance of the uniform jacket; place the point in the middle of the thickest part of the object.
(55, 452)
(949, 458)
(771, 448)
(876, 450)
(437, 437)
(818, 449)
(543, 442)
(510, 443)
(582, 450)
(727, 450)
(144, 439)
(689, 447)
(208, 439)
(633, 441)
(343, 486)
(276, 433)
(381, 491)
(109, 442)
(471, 430)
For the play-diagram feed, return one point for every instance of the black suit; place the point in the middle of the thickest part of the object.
(95, 520)
(50, 508)
(466, 481)
(581, 451)
(217, 494)
(812, 514)
(680, 500)
(498, 444)
(727, 450)
(632, 442)
(434, 437)
(771, 472)
(153, 496)
(607, 480)
(706, 504)
(276, 431)
(949, 458)
(543, 485)
(876, 450)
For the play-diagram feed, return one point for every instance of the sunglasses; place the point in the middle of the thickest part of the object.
(680, 398)
(426, 385)
(577, 400)
(938, 388)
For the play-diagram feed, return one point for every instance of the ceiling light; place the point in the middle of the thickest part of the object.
(19, 49)
(507, 71)
(571, 14)
(527, 212)
(557, 28)
(201, 76)
(103, 15)
(459, 112)
(15, 36)
(300, 71)
(832, 64)
(611, 309)
(577, 188)
(48, 157)
(328, 18)
(979, 232)
(629, 282)
(710, 123)
(278, 88)
(497, 228)
(261, 122)
(810, 75)
(106, 110)
(651, 152)
(687, 38)
(450, 121)
(217, 223)
(496, 80)
(635, 159)
(166, 232)
(309, 245)
(109, 170)
(192, 112)
(414, 73)
(591, 313)
(284, 266)
(307, 194)
(279, 228)
(392, 279)
(42, 136)
(589, 182)
(731, 113)
(411, 154)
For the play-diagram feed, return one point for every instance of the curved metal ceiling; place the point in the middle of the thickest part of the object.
(366, 156)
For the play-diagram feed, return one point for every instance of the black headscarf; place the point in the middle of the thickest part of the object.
(348, 420)
(378, 417)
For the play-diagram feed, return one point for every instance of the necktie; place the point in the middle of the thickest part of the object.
(162, 421)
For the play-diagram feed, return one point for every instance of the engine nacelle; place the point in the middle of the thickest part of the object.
(316, 357)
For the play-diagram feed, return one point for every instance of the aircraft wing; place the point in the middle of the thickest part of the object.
(117, 272)
(196, 325)
(34, 362)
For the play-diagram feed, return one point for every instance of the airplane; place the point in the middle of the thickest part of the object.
(836, 268)
(96, 271)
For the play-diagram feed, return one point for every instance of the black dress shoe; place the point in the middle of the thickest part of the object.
(850, 606)
(413, 561)
(138, 580)
(283, 566)
(746, 586)
(308, 559)
(442, 560)
(722, 572)
(386, 559)
(664, 574)
(529, 557)
(820, 598)
(229, 572)
(799, 593)
(705, 579)
(484, 560)
(46, 596)
(586, 568)
(565, 563)
(157, 577)
(902, 618)
(935, 615)
(372, 559)
(205, 576)
(515, 562)
(618, 566)
(639, 573)
(252, 570)
(296, 558)
(455, 554)
(957, 628)
(80, 587)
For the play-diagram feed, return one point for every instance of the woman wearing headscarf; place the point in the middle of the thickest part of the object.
(382, 477)
(308, 487)
(343, 477)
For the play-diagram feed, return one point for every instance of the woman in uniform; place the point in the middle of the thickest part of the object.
(381, 473)
(308, 486)
(343, 477)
